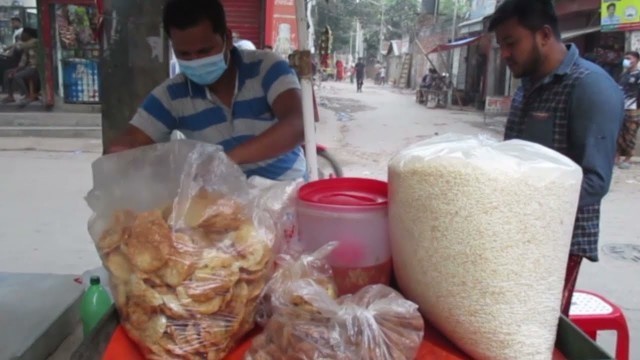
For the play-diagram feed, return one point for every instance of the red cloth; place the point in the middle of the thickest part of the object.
(100, 9)
(339, 70)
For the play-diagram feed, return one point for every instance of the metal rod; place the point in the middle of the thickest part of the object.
(306, 83)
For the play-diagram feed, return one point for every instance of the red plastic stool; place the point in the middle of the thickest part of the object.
(592, 313)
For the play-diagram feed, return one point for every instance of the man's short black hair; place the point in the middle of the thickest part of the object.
(635, 54)
(612, 5)
(33, 33)
(184, 14)
(16, 19)
(532, 14)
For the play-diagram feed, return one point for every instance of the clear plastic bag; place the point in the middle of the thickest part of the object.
(481, 232)
(291, 268)
(188, 243)
(375, 324)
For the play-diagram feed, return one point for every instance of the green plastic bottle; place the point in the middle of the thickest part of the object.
(96, 303)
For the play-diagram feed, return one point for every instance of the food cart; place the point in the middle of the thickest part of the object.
(108, 341)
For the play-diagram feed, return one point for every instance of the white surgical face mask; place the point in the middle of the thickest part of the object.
(626, 63)
(205, 71)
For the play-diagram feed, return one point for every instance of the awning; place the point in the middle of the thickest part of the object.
(453, 45)
(570, 34)
(471, 26)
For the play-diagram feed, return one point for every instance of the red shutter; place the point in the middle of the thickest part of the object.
(245, 18)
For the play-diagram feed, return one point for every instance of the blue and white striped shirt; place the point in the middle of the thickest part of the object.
(181, 104)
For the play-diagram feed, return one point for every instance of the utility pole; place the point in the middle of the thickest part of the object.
(359, 39)
(351, 55)
(381, 30)
(453, 38)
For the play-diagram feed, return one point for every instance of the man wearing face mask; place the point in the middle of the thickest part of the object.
(249, 102)
(630, 83)
(565, 103)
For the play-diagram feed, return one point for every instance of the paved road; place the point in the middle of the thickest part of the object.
(43, 215)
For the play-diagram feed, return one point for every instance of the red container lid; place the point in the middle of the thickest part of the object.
(352, 192)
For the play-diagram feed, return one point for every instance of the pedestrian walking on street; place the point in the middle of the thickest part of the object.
(565, 103)
(630, 83)
(360, 74)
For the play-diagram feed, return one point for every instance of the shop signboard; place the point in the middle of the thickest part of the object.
(283, 36)
(620, 15)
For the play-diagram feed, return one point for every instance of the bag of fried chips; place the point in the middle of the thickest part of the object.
(377, 323)
(188, 243)
(291, 268)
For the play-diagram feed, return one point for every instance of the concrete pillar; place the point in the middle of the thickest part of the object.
(134, 60)
(492, 67)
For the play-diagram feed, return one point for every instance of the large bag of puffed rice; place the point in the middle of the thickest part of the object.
(481, 232)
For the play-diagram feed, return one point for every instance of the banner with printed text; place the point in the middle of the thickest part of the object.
(284, 37)
(620, 15)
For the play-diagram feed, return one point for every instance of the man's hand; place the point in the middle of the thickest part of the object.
(12, 73)
(282, 137)
(131, 138)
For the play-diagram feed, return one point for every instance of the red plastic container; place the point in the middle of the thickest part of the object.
(353, 213)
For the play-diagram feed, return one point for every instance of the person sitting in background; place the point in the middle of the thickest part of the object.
(10, 57)
(27, 69)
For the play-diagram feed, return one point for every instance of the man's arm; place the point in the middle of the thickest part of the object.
(284, 96)
(153, 122)
(131, 138)
(596, 115)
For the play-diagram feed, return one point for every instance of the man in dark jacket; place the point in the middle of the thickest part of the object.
(565, 103)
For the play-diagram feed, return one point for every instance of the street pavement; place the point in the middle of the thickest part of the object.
(43, 218)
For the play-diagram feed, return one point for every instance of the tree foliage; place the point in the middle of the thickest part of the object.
(447, 7)
(398, 19)
(395, 18)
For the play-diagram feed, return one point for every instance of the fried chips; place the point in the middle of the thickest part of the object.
(187, 277)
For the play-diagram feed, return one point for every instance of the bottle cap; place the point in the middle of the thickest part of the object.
(95, 280)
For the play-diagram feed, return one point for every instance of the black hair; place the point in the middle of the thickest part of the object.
(612, 5)
(33, 33)
(635, 54)
(15, 18)
(184, 14)
(532, 14)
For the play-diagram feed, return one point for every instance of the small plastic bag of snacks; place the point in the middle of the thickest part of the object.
(292, 268)
(188, 244)
(375, 324)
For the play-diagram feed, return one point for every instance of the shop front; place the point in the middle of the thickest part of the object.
(72, 51)
(26, 13)
(581, 25)
(238, 12)
(473, 65)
